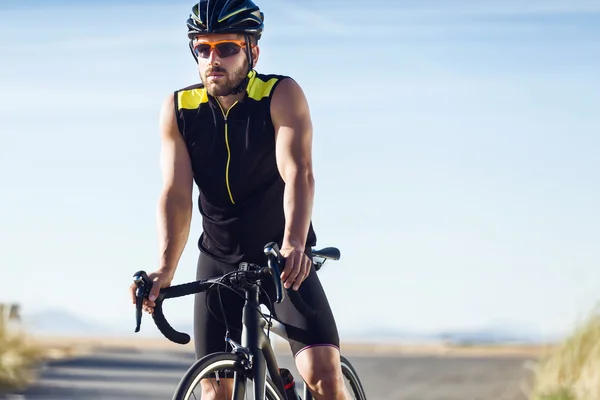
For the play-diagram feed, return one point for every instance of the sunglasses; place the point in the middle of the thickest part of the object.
(224, 48)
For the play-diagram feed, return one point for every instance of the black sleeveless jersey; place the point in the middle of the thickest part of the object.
(232, 154)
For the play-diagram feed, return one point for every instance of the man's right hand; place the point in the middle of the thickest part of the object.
(160, 279)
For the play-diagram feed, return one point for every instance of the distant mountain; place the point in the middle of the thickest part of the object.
(486, 336)
(456, 337)
(60, 322)
(386, 335)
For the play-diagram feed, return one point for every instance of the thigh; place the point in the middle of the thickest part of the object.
(307, 316)
(213, 308)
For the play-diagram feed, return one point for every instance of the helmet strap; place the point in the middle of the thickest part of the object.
(244, 84)
(192, 50)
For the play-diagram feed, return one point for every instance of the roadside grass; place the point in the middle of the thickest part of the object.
(19, 356)
(571, 370)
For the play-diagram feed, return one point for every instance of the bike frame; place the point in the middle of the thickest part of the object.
(256, 348)
(255, 351)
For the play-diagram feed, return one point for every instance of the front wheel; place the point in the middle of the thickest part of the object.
(220, 368)
(350, 374)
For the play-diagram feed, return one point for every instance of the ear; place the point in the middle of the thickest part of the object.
(255, 54)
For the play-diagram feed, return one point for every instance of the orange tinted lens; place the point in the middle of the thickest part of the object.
(202, 50)
(227, 49)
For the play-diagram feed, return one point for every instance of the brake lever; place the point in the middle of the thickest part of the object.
(144, 285)
(275, 259)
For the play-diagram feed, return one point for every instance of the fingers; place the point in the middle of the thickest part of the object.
(289, 266)
(148, 304)
(297, 268)
(148, 309)
(132, 288)
(304, 271)
(154, 291)
(145, 304)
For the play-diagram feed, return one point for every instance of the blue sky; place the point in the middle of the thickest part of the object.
(455, 153)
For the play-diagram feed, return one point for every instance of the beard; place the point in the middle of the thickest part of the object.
(226, 85)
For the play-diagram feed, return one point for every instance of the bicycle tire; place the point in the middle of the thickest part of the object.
(350, 373)
(215, 362)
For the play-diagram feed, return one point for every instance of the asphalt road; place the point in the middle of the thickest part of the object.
(153, 374)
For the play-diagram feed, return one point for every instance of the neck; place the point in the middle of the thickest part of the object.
(227, 101)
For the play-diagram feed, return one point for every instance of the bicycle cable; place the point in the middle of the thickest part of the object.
(270, 308)
(218, 283)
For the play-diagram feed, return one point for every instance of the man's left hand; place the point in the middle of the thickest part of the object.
(297, 267)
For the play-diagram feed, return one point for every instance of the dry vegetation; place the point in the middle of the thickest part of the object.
(19, 356)
(571, 371)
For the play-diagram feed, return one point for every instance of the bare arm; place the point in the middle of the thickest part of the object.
(293, 130)
(174, 212)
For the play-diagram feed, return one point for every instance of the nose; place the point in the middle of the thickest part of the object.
(213, 57)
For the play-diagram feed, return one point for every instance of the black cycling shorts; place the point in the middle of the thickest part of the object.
(305, 326)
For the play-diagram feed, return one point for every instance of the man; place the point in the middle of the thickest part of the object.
(245, 138)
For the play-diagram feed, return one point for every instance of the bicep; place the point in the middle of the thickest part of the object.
(293, 129)
(175, 162)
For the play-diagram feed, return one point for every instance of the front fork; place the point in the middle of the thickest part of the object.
(257, 364)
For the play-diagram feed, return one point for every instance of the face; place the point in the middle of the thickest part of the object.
(222, 61)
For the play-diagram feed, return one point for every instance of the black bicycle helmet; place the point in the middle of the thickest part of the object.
(225, 16)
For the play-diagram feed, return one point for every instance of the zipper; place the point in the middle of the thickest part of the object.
(225, 114)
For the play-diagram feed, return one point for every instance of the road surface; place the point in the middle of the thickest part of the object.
(128, 374)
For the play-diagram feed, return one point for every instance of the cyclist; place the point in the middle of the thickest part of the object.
(245, 138)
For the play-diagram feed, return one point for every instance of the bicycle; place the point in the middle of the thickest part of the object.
(251, 359)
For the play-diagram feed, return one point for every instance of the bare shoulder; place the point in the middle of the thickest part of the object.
(293, 128)
(167, 118)
(174, 157)
(289, 101)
